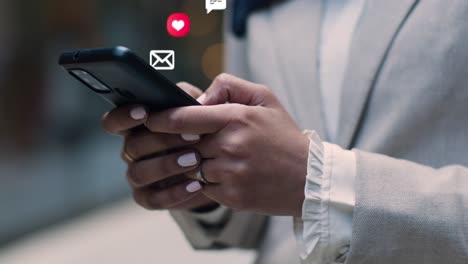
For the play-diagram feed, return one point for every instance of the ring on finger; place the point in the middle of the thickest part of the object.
(127, 156)
(199, 175)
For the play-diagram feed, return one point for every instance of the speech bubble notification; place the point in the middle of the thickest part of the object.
(215, 5)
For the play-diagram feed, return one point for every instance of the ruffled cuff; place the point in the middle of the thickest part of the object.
(325, 229)
(312, 229)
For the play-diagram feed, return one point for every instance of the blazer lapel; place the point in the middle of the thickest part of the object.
(378, 26)
(295, 30)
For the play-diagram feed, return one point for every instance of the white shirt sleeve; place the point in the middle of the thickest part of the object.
(324, 230)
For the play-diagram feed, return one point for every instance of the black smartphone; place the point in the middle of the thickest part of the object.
(121, 77)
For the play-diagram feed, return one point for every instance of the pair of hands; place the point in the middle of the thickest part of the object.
(242, 139)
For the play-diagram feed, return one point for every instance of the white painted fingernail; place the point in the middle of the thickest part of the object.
(193, 187)
(138, 113)
(202, 98)
(190, 137)
(187, 160)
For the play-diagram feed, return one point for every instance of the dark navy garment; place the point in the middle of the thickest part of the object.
(242, 10)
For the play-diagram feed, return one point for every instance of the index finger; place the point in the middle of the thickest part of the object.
(228, 88)
(192, 119)
(121, 119)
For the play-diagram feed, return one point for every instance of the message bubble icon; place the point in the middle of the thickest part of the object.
(211, 5)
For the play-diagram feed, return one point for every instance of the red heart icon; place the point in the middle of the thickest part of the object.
(178, 25)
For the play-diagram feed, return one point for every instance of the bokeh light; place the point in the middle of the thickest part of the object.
(212, 60)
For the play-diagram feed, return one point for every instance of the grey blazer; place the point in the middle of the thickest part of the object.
(404, 111)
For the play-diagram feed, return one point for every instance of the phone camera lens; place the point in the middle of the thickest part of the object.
(101, 88)
(90, 81)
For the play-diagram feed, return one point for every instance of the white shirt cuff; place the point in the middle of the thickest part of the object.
(324, 231)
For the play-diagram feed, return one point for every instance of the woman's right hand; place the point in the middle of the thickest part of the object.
(146, 170)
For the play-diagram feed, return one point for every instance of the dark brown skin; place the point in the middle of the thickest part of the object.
(141, 142)
(257, 154)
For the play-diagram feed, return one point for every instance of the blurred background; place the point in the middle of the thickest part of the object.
(63, 193)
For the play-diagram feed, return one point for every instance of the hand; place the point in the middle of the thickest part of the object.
(145, 174)
(256, 155)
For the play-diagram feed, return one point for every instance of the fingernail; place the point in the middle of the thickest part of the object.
(202, 98)
(193, 187)
(138, 113)
(187, 160)
(190, 137)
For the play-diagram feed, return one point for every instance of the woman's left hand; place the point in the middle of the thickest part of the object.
(255, 155)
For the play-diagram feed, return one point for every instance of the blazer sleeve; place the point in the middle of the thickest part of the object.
(409, 213)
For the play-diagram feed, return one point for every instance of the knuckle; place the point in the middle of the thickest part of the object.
(149, 123)
(226, 175)
(174, 196)
(124, 157)
(268, 95)
(142, 199)
(158, 201)
(166, 166)
(229, 148)
(138, 199)
(264, 89)
(140, 142)
(248, 114)
(131, 147)
(118, 123)
(133, 175)
(235, 175)
(162, 142)
(154, 204)
(165, 199)
(241, 170)
(110, 127)
(176, 121)
(243, 114)
(223, 79)
(233, 145)
(210, 173)
(108, 120)
(153, 122)
(105, 124)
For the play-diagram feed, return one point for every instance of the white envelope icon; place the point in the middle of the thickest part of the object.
(162, 59)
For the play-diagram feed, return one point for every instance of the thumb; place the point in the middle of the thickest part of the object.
(190, 89)
(230, 89)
